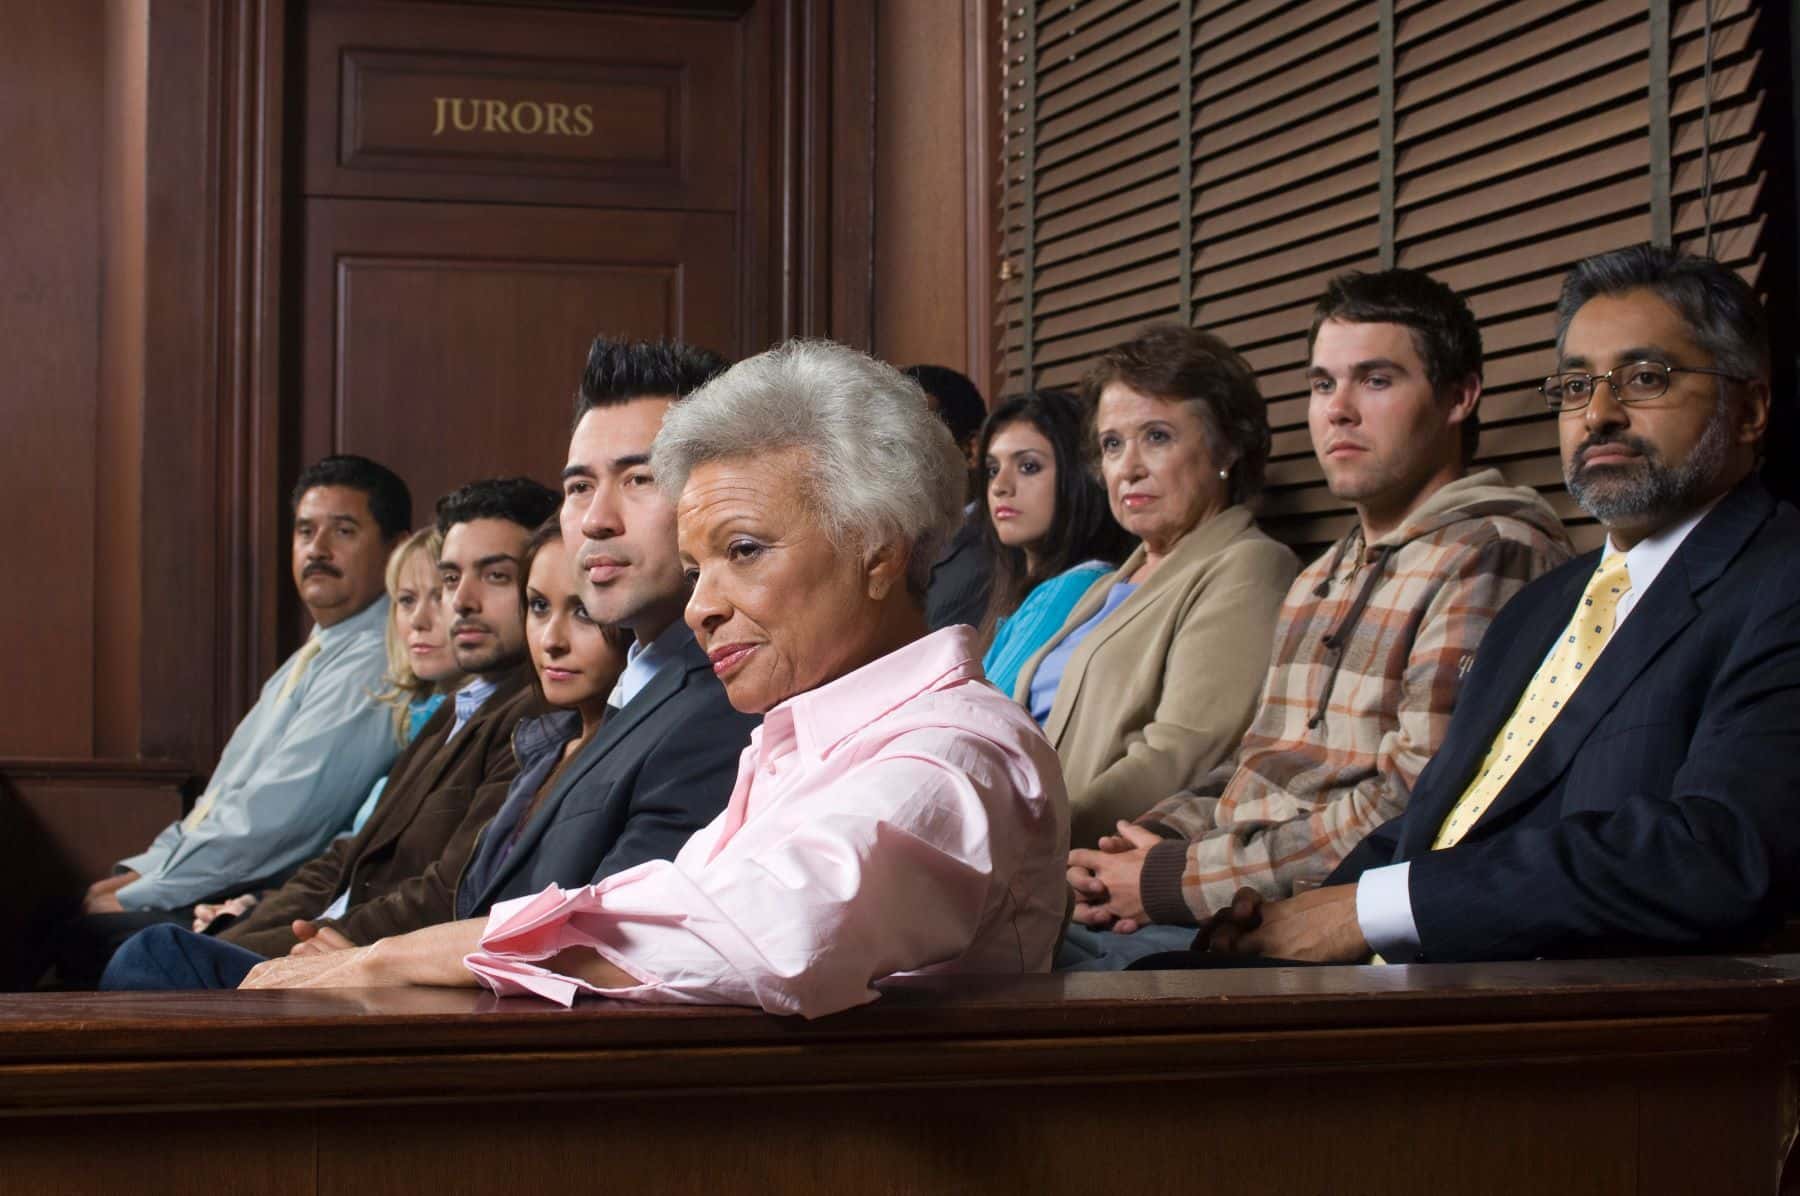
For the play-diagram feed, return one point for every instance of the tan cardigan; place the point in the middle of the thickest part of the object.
(1164, 688)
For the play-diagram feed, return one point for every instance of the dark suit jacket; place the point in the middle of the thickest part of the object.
(402, 867)
(656, 771)
(1661, 810)
(960, 580)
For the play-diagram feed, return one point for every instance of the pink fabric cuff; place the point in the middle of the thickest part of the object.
(526, 929)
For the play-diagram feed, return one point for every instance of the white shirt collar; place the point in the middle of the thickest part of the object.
(1645, 559)
(644, 661)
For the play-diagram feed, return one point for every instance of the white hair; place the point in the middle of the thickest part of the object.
(883, 467)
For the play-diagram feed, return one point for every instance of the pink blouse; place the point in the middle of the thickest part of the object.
(906, 817)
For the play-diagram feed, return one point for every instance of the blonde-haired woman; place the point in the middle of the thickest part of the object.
(421, 668)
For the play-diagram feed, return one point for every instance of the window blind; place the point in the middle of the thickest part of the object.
(1217, 161)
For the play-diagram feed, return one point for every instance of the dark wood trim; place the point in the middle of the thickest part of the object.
(760, 214)
(118, 515)
(669, 1065)
(982, 104)
(822, 64)
(808, 83)
(850, 149)
(154, 772)
(723, 9)
(63, 824)
(250, 306)
(181, 392)
(1598, 992)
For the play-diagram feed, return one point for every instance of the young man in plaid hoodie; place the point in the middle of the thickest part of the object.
(1374, 638)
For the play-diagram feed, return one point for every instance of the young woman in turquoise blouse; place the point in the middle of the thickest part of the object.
(1046, 522)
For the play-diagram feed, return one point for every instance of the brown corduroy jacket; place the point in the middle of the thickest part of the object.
(401, 869)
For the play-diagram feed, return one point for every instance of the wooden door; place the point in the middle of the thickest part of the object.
(446, 340)
(486, 188)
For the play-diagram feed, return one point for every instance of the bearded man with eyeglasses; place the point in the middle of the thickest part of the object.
(1622, 773)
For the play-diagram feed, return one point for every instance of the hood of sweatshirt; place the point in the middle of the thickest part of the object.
(1481, 493)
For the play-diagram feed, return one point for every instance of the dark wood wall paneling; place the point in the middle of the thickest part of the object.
(52, 60)
(935, 170)
(484, 191)
(172, 262)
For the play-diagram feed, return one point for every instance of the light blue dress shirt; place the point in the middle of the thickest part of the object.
(469, 699)
(291, 775)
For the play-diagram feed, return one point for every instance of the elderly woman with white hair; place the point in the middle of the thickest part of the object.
(893, 814)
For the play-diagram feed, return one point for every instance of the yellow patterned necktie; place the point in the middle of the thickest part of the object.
(1554, 682)
(302, 659)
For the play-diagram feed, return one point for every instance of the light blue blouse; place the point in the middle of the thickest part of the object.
(1040, 616)
(1050, 672)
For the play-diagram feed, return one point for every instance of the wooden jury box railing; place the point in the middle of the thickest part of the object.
(1592, 1077)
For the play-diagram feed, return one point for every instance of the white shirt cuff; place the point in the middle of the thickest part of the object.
(336, 909)
(1384, 911)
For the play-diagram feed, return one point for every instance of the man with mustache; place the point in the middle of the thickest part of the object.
(399, 872)
(295, 766)
(1374, 635)
(1622, 773)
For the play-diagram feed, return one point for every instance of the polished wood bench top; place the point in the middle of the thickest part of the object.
(116, 1025)
(72, 1027)
(1639, 1076)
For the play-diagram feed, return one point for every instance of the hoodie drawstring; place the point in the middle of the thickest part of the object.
(1339, 636)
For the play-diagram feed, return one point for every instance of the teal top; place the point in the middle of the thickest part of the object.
(1040, 616)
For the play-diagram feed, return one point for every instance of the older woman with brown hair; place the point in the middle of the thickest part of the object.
(1154, 675)
(893, 814)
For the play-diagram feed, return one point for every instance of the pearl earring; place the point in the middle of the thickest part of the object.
(1224, 475)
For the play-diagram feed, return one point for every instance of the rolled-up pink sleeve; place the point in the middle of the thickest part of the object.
(888, 868)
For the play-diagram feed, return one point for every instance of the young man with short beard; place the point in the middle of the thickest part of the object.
(1374, 639)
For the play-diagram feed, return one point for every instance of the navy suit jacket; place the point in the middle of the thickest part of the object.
(1661, 810)
(657, 770)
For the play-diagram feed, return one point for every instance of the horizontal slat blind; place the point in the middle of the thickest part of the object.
(1287, 182)
(1522, 136)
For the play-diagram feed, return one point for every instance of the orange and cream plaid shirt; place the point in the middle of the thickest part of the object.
(1369, 654)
